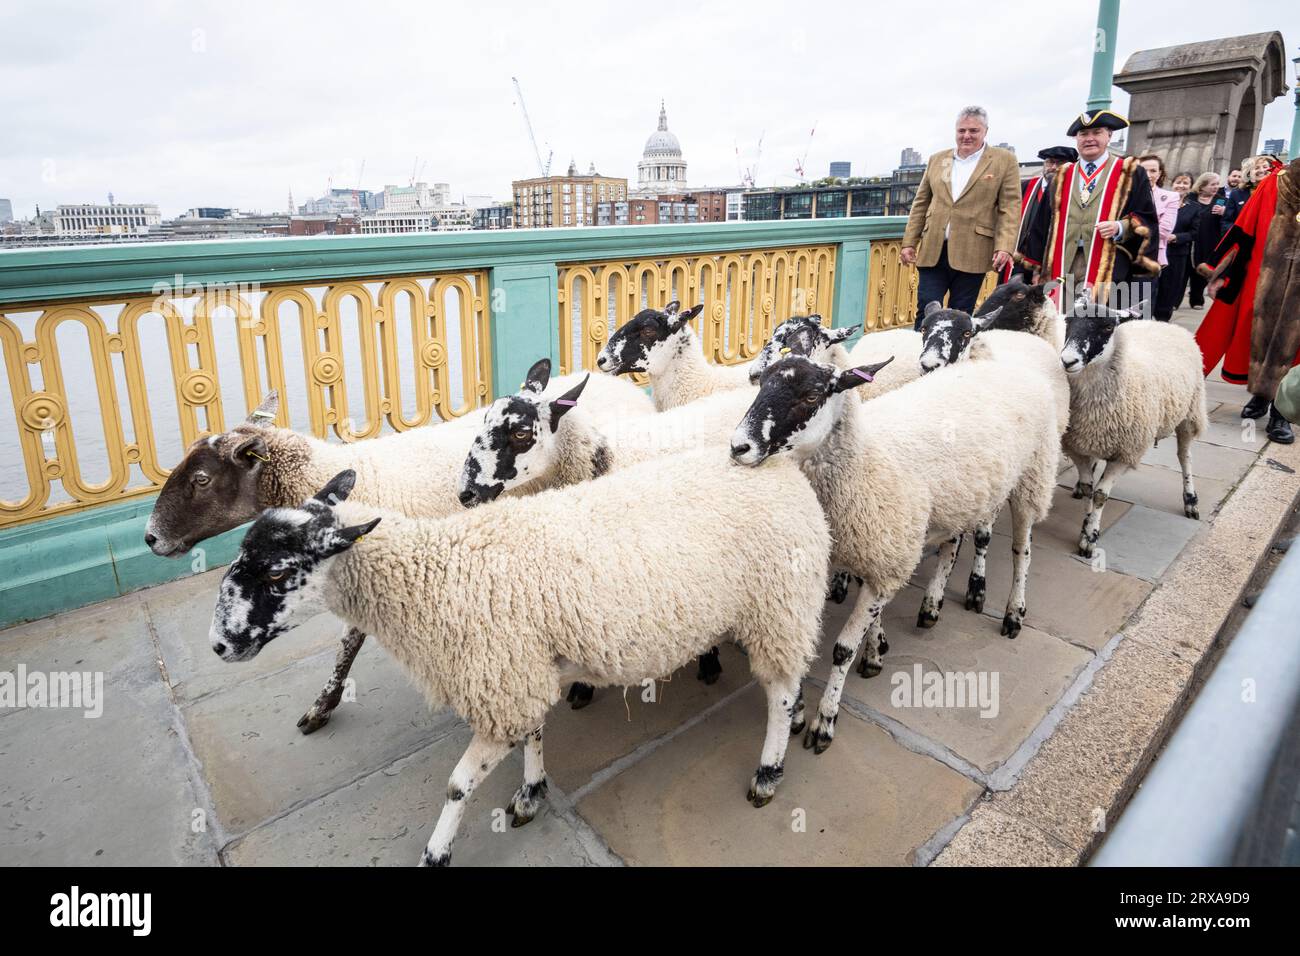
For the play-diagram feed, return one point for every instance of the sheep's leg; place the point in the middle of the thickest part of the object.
(480, 758)
(710, 667)
(977, 586)
(932, 603)
(797, 720)
(330, 696)
(783, 702)
(1190, 501)
(839, 589)
(1092, 520)
(1021, 535)
(861, 623)
(580, 695)
(1085, 467)
(528, 798)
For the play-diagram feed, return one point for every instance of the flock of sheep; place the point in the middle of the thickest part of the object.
(629, 538)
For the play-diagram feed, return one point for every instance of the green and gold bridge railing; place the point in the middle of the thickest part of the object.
(117, 357)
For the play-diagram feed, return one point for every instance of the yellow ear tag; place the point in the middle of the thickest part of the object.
(253, 454)
(786, 350)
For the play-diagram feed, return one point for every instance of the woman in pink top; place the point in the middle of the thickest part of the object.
(1166, 202)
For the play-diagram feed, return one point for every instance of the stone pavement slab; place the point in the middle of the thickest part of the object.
(1158, 488)
(1146, 542)
(386, 818)
(113, 790)
(1220, 462)
(1065, 597)
(259, 764)
(182, 615)
(1032, 673)
(1229, 429)
(865, 801)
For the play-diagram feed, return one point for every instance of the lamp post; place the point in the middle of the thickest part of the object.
(1103, 55)
(1294, 145)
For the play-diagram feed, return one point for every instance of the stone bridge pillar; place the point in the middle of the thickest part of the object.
(1201, 105)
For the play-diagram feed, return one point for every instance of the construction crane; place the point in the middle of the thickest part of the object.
(799, 163)
(543, 168)
(747, 175)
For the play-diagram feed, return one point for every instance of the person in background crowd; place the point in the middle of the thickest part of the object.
(1098, 221)
(1208, 233)
(964, 217)
(1233, 199)
(1172, 283)
(1167, 202)
(1035, 190)
(1254, 324)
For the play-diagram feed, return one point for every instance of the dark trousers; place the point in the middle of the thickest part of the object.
(1196, 294)
(941, 279)
(1170, 286)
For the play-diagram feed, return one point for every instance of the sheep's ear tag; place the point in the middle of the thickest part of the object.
(786, 350)
(253, 454)
(865, 376)
(262, 415)
(565, 401)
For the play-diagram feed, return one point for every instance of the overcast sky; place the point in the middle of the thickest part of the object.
(236, 102)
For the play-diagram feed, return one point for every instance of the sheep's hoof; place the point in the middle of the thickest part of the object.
(314, 720)
(428, 859)
(975, 593)
(1082, 490)
(927, 619)
(797, 728)
(710, 667)
(867, 669)
(1085, 548)
(839, 589)
(762, 786)
(1190, 502)
(580, 695)
(1011, 625)
(817, 740)
(883, 646)
(760, 800)
(526, 803)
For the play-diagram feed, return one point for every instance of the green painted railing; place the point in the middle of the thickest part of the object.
(511, 289)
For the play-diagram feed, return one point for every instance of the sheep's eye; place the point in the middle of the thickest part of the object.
(1018, 295)
(812, 398)
(275, 576)
(967, 334)
(201, 479)
(521, 434)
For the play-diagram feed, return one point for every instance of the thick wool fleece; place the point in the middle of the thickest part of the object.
(684, 374)
(492, 609)
(415, 472)
(586, 448)
(1039, 352)
(932, 460)
(1150, 384)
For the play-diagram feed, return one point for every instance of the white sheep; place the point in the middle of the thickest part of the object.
(492, 610)
(663, 346)
(530, 442)
(1131, 384)
(921, 464)
(950, 335)
(227, 479)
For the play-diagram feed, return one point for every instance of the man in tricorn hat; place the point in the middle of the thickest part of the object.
(1097, 222)
(1030, 200)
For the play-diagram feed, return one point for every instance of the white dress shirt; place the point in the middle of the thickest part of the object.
(962, 170)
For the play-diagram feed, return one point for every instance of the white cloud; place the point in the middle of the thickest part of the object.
(235, 102)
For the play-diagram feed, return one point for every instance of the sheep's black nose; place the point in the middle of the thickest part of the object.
(150, 539)
(738, 450)
(219, 648)
(467, 498)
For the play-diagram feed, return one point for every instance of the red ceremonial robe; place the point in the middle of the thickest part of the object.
(1225, 332)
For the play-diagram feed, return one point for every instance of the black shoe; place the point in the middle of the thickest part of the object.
(1279, 429)
(1256, 407)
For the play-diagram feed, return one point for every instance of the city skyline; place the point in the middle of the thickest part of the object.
(242, 118)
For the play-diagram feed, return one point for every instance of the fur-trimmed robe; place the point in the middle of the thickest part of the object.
(1254, 324)
(1125, 197)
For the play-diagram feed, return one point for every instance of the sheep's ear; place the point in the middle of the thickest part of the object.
(986, 320)
(861, 375)
(1137, 311)
(839, 335)
(538, 377)
(250, 452)
(352, 535)
(1051, 286)
(265, 413)
(683, 317)
(931, 307)
(337, 488)
(672, 307)
(566, 401)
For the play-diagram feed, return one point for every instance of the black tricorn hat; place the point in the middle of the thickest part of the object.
(1066, 154)
(1104, 119)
